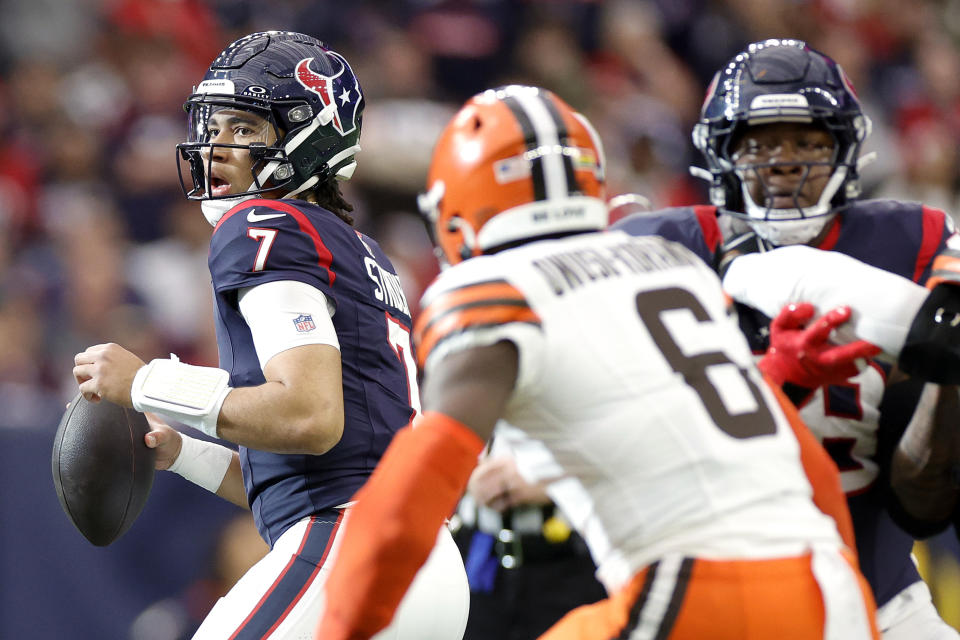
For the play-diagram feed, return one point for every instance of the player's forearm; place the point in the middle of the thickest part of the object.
(275, 417)
(924, 468)
(232, 489)
(209, 465)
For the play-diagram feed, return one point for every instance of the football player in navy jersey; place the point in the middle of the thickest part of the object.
(781, 131)
(316, 368)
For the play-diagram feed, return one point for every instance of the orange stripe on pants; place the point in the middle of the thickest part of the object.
(724, 600)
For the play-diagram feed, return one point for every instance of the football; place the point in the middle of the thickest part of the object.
(102, 470)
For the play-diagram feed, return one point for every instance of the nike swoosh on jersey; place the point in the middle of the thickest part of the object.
(260, 217)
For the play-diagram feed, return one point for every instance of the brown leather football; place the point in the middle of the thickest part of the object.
(102, 470)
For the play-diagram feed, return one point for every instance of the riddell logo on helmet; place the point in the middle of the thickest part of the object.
(344, 105)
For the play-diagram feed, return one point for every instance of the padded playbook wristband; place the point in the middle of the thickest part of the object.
(931, 351)
(189, 394)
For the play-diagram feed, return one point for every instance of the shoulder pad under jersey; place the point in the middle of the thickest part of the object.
(694, 227)
(265, 240)
(465, 299)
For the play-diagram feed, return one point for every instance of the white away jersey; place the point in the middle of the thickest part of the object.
(636, 396)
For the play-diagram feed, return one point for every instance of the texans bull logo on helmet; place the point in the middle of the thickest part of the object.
(332, 92)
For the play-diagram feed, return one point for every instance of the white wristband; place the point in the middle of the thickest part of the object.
(202, 463)
(186, 393)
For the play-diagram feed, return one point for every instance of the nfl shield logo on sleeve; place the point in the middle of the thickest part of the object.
(304, 323)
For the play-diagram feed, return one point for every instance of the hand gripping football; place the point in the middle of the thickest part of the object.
(102, 469)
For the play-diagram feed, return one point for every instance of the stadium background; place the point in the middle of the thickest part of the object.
(97, 244)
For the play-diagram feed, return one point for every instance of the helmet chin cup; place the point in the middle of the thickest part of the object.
(214, 210)
(787, 232)
(798, 225)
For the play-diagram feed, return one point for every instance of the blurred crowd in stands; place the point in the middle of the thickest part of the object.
(98, 244)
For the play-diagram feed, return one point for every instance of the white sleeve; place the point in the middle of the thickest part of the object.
(884, 304)
(528, 338)
(286, 314)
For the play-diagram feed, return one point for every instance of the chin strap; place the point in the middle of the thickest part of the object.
(737, 246)
(213, 210)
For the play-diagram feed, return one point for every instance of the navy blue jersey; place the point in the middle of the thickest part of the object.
(899, 237)
(269, 240)
(694, 227)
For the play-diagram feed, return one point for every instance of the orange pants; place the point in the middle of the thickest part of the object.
(683, 599)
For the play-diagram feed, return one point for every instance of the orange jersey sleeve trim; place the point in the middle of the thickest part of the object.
(821, 471)
(484, 304)
(391, 530)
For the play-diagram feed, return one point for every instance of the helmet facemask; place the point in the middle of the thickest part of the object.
(790, 198)
(270, 167)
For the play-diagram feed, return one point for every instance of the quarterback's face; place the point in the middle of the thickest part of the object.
(784, 165)
(231, 168)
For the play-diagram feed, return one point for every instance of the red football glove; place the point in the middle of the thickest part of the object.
(800, 353)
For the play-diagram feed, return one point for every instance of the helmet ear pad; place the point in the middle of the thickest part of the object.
(311, 159)
(308, 159)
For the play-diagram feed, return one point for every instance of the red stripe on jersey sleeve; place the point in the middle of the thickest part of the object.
(324, 257)
(707, 217)
(933, 225)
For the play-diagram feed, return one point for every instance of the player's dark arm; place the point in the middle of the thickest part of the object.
(417, 484)
(473, 386)
(208, 464)
(925, 467)
(931, 350)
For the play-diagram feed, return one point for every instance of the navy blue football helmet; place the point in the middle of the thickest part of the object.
(307, 92)
(781, 81)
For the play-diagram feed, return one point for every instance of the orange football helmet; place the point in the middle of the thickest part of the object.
(514, 163)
